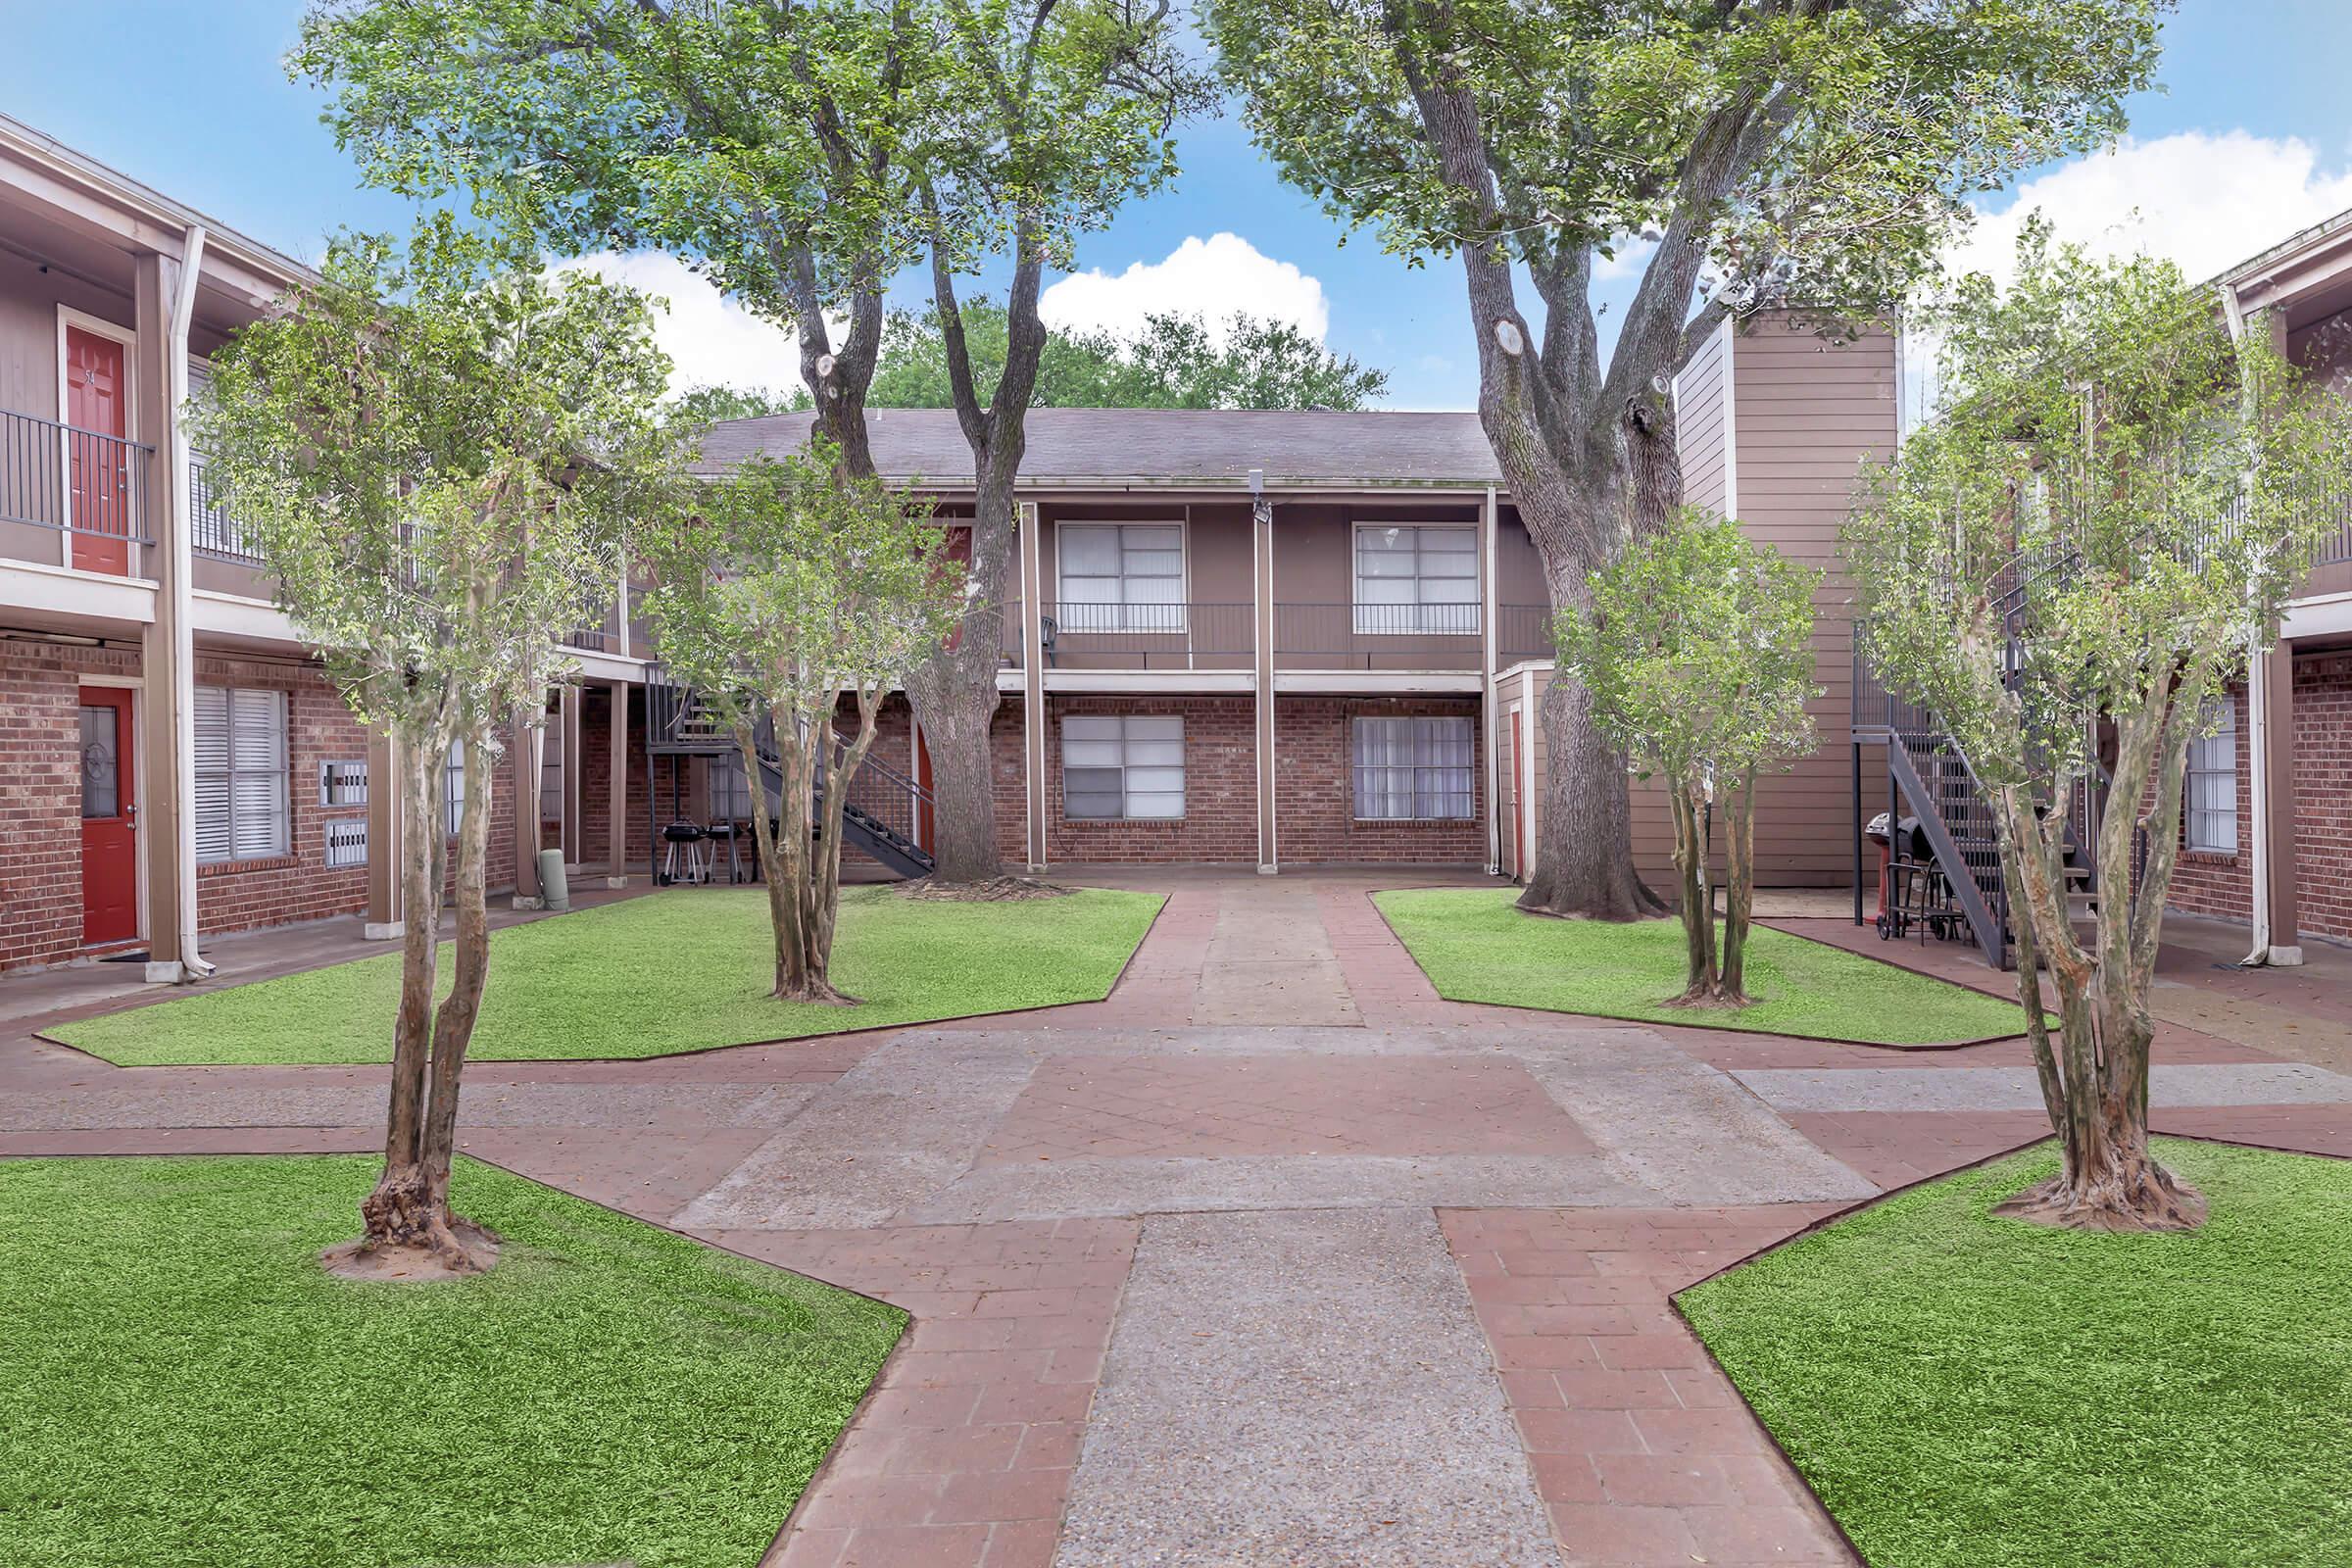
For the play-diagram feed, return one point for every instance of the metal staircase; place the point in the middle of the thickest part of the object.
(881, 815)
(1928, 778)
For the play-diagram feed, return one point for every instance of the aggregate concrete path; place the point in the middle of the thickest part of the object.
(1301, 1387)
(1271, 1257)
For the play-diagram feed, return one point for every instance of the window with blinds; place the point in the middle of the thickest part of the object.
(242, 810)
(1118, 768)
(2212, 783)
(1120, 576)
(1416, 580)
(1413, 769)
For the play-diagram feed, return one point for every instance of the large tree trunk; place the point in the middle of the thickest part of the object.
(954, 698)
(1697, 899)
(409, 1230)
(1585, 849)
(2094, 1077)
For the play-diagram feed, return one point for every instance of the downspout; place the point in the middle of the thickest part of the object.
(193, 965)
(2258, 732)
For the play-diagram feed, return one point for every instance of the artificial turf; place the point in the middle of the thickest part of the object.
(1967, 1392)
(1476, 946)
(683, 970)
(184, 1383)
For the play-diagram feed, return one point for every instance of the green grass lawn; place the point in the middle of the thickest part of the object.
(1966, 1392)
(1475, 946)
(184, 1383)
(672, 972)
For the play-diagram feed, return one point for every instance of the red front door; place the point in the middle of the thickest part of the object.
(98, 469)
(109, 849)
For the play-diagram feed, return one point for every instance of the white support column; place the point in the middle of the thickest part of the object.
(1262, 700)
(1033, 683)
(1488, 718)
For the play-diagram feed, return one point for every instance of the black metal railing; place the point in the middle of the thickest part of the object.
(1185, 635)
(1403, 637)
(213, 530)
(77, 481)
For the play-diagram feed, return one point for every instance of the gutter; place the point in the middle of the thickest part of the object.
(192, 965)
(2258, 740)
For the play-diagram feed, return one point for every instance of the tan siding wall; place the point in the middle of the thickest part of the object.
(1699, 423)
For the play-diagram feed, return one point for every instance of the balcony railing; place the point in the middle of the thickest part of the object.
(212, 530)
(1377, 637)
(1522, 631)
(1147, 636)
(77, 481)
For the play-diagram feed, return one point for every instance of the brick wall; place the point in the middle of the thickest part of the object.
(242, 895)
(2222, 885)
(1220, 787)
(1315, 787)
(1313, 793)
(2324, 794)
(40, 794)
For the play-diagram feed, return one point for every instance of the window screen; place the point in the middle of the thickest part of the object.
(1121, 576)
(241, 795)
(1413, 769)
(1416, 580)
(1122, 767)
(453, 787)
(2212, 783)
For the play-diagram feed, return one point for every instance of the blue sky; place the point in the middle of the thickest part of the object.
(2250, 139)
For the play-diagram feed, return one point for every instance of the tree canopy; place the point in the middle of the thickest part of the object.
(1808, 152)
(2095, 535)
(1697, 651)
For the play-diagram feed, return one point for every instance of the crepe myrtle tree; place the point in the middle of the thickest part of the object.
(433, 462)
(2067, 566)
(800, 156)
(788, 588)
(1731, 155)
(1696, 648)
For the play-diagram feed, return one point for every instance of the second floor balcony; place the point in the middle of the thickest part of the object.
(72, 496)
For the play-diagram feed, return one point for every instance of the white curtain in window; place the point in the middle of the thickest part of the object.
(1413, 769)
(1416, 579)
(1121, 576)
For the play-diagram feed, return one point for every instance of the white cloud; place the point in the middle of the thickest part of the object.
(2206, 201)
(710, 339)
(1217, 278)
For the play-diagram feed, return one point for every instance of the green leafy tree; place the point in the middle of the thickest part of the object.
(800, 156)
(786, 590)
(1696, 647)
(1767, 152)
(434, 462)
(1176, 362)
(708, 405)
(2067, 568)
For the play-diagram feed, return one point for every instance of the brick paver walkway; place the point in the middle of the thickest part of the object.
(1273, 1257)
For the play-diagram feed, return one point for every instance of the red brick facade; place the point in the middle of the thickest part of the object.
(1314, 809)
(241, 895)
(2324, 794)
(40, 794)
(2222, 885)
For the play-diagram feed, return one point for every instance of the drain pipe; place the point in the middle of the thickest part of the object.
(193, 966)
(2258, 730)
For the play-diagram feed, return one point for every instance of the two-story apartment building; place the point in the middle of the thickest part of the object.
(175, 765)
(2268, 832)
